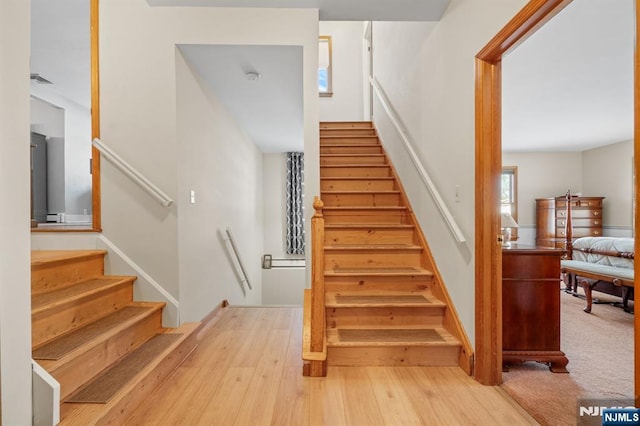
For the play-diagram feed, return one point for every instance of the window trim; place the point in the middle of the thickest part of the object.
(329, 91)
(512, 170)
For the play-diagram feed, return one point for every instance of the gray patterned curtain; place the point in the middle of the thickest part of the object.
(295, 200)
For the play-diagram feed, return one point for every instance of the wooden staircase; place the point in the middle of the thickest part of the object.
(378, 299)
(107, 352)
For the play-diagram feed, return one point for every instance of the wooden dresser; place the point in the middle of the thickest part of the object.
(531, 306)
(586, 217)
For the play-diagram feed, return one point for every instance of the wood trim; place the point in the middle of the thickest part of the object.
(95, 116)
(536, 13)
(636, 211)
(318, 322)
(451, 318)
(488, 250)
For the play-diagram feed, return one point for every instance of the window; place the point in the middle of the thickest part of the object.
(509, 195)
(324, 67)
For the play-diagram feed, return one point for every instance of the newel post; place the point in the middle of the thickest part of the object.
(568, 228)
(317, 278)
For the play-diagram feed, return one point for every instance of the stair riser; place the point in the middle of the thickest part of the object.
(365, 216)
(333, 184)
(352, 159)
(347, 132)
(368, 236)
(351, 149)
(372, 200)
(354, 172)
(373, 259)
(89, 364)
(348, 140)
(50, 323)
(346, 125)
(391, 316)
(63, 274)
(393, 356)
(377, 283)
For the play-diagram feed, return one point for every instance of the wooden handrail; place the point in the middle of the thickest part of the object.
(317, 277)
(426, 179)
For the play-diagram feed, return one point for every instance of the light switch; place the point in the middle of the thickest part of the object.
(458, 195)
(193, 196)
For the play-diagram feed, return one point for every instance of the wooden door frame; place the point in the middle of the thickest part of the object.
(488, 252)
(95, 116)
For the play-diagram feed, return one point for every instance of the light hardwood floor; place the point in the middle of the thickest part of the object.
(247, 370)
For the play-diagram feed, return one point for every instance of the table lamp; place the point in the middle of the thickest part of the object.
(506, 223)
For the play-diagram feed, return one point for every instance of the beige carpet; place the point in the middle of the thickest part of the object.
(599, 347)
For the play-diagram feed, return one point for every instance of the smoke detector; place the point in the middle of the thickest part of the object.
(252, 76)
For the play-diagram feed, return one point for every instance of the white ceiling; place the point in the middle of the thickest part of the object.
(61, 47)
(575, 75)
(570, 86)
(269, 109)
(337, 10)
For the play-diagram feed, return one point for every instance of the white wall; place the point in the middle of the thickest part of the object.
(608, 171)
(15, 265)
(604, 171)
(427, 71)
(280, 286)
(139, 116)
(542, 175)
(77, 149)
(347, 41)
(224, 169)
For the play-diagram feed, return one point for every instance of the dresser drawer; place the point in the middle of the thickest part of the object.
(579, 213)
(582, 202)
(580, 232)
(591, 223)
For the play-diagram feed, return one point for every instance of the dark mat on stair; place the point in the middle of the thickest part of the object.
(389, 335)
(107, 384)
(371, 299)
(61, 346)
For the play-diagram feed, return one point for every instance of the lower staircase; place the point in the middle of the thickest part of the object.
(107, 352)
(376, 297)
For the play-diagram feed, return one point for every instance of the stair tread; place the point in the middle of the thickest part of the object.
(348, 136)
(412, 247)
(368, 226)
(80, 289)
(41, 258)
(369, 145)
(352, 155)
(133, 367)
(371, 299)
(357, 178)
(355, 336)
(364, 208)
(354, 165)
(351, 192)
(408, 271)
(91, 334)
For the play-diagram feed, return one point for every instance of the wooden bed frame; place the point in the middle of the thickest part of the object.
(608, 283)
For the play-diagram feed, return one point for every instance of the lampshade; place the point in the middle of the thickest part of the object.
(507, 221)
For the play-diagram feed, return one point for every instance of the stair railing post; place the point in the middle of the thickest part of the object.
(568, 232)
(317, 277)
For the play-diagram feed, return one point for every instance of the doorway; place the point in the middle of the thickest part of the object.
(488, 166)
(64, 78)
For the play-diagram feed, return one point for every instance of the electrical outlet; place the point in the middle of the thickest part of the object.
(193, 196)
